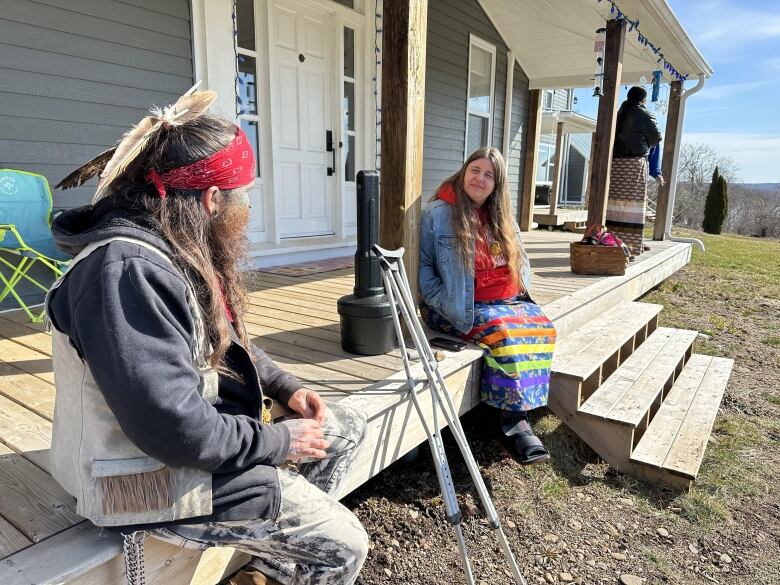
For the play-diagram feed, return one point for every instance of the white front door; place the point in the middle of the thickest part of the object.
(301, 86)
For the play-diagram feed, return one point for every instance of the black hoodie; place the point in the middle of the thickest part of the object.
(125, 311)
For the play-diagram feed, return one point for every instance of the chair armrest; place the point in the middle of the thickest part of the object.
(9, 227)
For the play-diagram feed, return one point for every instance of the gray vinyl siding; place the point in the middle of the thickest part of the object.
(516, 158)
(450, 22)
(75, 74)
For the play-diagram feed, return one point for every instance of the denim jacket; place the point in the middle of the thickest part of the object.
(445, 283)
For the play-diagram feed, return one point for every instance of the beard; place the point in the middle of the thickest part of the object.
(229, 250)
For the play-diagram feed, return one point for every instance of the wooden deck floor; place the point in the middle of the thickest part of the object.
(295, 320)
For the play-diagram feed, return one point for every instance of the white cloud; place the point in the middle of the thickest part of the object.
(734, 23)
(727, 90)
(757, 155)
(721, 29)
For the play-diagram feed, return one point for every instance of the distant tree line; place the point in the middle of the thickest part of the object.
(751, 211)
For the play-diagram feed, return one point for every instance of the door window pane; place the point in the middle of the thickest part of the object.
(477, 133)
(349, 158)
(349, 106)
(480, 73)
(349, 52)
(247, 85)
(250, 127)
(245, 23)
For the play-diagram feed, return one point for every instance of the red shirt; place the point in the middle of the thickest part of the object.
(492, 279)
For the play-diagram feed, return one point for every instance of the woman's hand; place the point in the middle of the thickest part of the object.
(308, 404)
(306, 440)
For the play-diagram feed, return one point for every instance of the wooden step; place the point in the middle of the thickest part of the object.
(607, 338)
(628, 396)
(675, 440)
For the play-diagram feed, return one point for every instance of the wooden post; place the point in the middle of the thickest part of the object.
(670, 145)
(404, 25)
(556, 184)
(533, 131)
(605, 123)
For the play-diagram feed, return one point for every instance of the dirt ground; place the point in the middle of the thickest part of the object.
(573, 520)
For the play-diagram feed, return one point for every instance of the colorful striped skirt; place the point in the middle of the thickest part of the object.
(518, 340)
(626, 201)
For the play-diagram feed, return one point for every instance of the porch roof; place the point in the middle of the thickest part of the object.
(573, 123)
(553, 40)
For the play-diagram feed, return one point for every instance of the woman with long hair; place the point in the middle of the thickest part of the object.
(474, 283)
(636, 133)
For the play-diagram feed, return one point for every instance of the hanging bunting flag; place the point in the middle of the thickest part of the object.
(633, 25)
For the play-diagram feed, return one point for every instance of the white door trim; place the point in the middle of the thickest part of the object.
(213, 63)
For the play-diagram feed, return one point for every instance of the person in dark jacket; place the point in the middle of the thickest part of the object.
(636, 132)
(161, 422)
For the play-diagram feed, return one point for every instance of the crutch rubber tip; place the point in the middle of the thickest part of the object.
(455, 518)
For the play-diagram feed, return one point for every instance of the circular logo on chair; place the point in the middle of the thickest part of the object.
(8, 185)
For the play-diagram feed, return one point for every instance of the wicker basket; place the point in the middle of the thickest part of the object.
(602, 260)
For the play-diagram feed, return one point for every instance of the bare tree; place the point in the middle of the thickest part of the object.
(694, 171)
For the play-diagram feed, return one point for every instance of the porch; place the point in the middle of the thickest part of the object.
(294, 319)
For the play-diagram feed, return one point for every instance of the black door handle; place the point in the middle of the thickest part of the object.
(330, 148)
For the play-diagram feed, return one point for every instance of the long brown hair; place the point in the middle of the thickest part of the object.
(209, 261)
(501, 222)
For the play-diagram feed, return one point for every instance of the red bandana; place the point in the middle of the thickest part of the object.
(229, 168)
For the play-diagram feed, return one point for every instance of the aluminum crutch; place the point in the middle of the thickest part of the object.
(399, 294)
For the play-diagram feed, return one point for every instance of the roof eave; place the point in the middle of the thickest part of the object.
(684, 43)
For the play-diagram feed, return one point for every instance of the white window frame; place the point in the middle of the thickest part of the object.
(475, 41)
(550, 149)
(545, 94)
(346, 133)
(253, 117)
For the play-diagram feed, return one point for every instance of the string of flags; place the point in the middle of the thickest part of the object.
(633, 25)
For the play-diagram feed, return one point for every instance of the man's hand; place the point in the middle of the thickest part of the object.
(307, 441)
(660, 180)
(308, 404)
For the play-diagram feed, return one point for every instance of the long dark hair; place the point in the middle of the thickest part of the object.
(181, 220)
(465, 222)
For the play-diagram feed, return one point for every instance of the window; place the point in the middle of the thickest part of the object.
(547, 99)
(479, 108)
(246, 77)
(349, 105)
(545, 163)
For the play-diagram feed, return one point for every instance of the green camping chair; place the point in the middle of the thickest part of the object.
(25, 231)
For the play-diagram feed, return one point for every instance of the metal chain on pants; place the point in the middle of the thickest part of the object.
(133, 548)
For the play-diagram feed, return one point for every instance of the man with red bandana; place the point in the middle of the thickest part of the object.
(161, 421)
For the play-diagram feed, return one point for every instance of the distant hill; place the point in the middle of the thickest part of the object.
(762, 186)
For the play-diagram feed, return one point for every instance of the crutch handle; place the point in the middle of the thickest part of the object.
(381, 252)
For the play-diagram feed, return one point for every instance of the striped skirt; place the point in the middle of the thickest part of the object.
(518, 340)
(626, 201)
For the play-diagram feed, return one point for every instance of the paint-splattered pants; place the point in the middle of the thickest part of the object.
(314, 539)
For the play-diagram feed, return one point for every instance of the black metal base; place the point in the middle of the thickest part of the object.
(366, 325)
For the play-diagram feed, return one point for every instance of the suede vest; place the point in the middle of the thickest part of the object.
(114, 482)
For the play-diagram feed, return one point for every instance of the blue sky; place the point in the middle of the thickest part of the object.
(738, 110)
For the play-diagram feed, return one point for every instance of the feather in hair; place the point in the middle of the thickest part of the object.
(129, 147)
(86, 171)
(188, 107)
